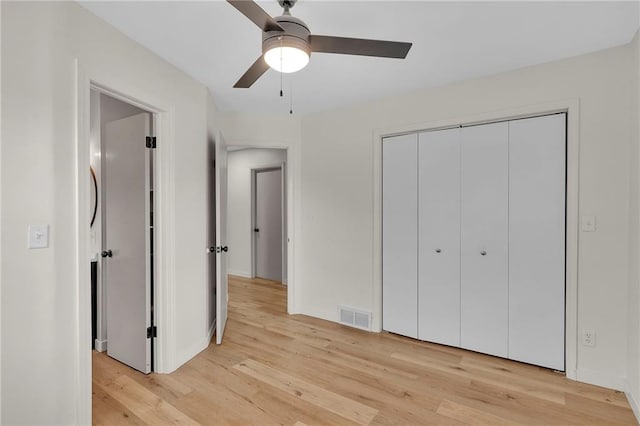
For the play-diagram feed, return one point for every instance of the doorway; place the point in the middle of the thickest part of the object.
(268, 224)
(258, 203)
(121, 233)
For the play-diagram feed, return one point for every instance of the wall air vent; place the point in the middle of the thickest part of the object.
(355, 317)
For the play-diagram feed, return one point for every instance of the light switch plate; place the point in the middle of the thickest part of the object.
(37, 236)
(588, 223)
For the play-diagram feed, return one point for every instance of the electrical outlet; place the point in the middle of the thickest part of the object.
(588, 338)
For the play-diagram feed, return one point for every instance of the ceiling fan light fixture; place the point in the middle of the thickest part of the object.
(286, 59)
(287, 42)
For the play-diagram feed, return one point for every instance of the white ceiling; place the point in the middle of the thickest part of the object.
(452, 41)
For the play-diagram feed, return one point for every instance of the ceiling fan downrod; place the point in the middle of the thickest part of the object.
(286, 5)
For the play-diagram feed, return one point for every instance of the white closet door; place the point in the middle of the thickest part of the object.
(537, 240)
(400, 234)
(484, 275)
(439, 237)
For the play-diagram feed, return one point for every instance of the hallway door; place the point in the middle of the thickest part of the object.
(268, 224)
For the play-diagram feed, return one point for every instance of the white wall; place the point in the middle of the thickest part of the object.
(239, 228)
(633, 351)
(41, 380)
(336, 251)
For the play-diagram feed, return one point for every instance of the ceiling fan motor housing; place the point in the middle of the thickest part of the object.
(296, 34)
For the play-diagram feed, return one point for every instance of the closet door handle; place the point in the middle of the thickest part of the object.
(438, 250)
(107, 253)
(483, 253)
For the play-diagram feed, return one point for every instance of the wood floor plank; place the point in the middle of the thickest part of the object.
(521, 385)
(329, 401)
(470, 415)
(145, 404)
(274, 368)
(109, 411)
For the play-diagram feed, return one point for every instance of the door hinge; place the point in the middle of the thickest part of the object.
(152, 332)
(151, 142)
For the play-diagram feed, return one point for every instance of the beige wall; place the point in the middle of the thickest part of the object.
(41, 380)
(336, 248)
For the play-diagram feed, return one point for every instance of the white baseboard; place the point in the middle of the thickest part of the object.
(196, 348)
(633, 402)
(101, 345)
(600, 378)
(242, 274)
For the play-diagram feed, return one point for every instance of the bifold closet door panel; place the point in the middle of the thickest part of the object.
(537, 148)
(439, 236)
(484, 239)
(400, 235)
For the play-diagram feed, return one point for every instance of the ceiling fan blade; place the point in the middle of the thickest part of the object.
(256, 14)
(254, 72)
(359, 46)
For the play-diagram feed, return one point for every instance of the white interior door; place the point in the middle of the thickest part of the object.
(400, 235)
(484, 239)
(537, 240)
(268, 224)
(222, 295)
(439, 237)
(127, 241)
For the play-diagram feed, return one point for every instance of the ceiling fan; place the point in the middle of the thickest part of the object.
(287, 42)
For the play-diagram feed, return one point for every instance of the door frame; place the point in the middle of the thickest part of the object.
(119, 87)
(293, 196)
(572, 108)
(283, 215)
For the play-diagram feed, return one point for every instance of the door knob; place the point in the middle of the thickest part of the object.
(483, 253)
(211, 249)
(225, 248)
(256, 229)
(438, 250)
(107, 253)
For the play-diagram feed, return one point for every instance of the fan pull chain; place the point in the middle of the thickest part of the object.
(291, 95)
(281, 67)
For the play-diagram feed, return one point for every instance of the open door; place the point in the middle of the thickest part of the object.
(126, 244)
(268, 224)
(222, 297)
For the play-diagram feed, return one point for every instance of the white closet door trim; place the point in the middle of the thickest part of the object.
(507, 112)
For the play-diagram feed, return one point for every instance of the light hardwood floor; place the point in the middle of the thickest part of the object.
(278, 369)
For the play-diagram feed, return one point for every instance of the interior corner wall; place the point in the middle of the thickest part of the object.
(633, 339)
(40, 44)
(240, 164)
(336, 252)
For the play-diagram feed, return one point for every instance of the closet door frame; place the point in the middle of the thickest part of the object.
(572, 109)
